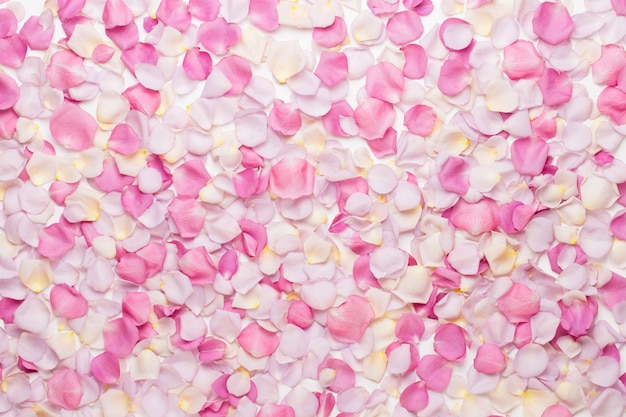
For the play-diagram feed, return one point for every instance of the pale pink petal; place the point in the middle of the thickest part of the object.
(531, 360)
(263, 14)
(292, 178)
(116, 13)
(414, 397)
(206, 10)
(519, 303)
(352, 400)
(67, 302)
(218, 36)
(521, 60)
(136, 307)
(120, 337)
(435, 372)
(174, 13)
(454, 76)
(556, 87)
(489, 359)
(577, 317)
(529, 155)
(552, 23)
(55, 240)
(420, 120)
(12, 51)
(347, 322)
(284, 119)
(258, 341)
(9, 92)
(73, 127)
(604, 371)
(211, 350)
(332, 35)
(191, 326)
(294, 342)
(404, 27)
(188, 215)
(65, 389)
(381, 179)
(197, 64)
(106, 368)
(475, 218)
(102, 53)
(384, 81)
(150, 76)
(374, 117)
(456, 34)
(276, 410)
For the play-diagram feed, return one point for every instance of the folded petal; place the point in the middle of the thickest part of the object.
(120, 337)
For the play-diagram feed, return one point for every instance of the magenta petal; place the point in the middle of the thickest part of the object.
(258, 341)
(292, 178)
(67, 302)
(420, 120)
(348, 321)
(529, 155)
(55, 240)
(489, 359)
(65, 389)
(13, 51)
(552, 23)
(120, 337)
(8, 23)
(9, 92)
(519, 303)
(106, 368)
(73, 127)
(374, 117)
(197, 64)
(435, 372)
(414, 397)
(475, 218)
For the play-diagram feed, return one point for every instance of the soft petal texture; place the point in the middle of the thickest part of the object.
(475, 218)
(258, 341)
(420, 120)
(348, 321)
(373, 117)
(552, 23)
(529, 155)
(73, 127)
(106, 368)
(489, 359)
(292, 178)
(9, 92)
(65, 389)
(414, 397)
(404, 27)
(120, 337)
(67, 302)
(384, 81)
(519, 303)
(450, 342)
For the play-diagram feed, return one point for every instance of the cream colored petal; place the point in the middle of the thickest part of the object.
(374, 366)
(192, 399)
(499, 255)
(171, 43)
(500, 96)
(285, 59)
(63, 343)
(145, 366)
(35, 274)
(384, 332)
(251, 44)
(84, 40)
(130, 164)
(414, 286)
(89, 162)
(41, 168)
(367, 28)
(249, 301)
(111, 107)
(115, 403)
(597, 192)
(294, 14)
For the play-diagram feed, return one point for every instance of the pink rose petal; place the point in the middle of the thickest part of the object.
(348, 321)
(258, 341)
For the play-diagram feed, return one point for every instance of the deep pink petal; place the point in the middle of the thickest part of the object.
(556, 87)
(435, 372)
(132, 267)
(106, 368)
(218, 36)
(450, 342)
(188, 215)
(529, 155)
(253, 237)
(284, 119)
(9, 92)
(348, 321)
(300, 314)
(70, 8)
(136, 307)
(102, 53)
(67, 302)
(258, 341)
(12, 51)
(141, 53)
(489, 359)
(557, 410)
(142, 99)
(606, 69)
(519, 303)
(116, 13)
(124, 140)
(374, 117)
(454, 175)
(332, 35)
(552, 23)
(292, 178)
(38, 31)
(415, 61)
(238, 71)
(612, 102)
(414, 397)
(211, 350)
(475, 218)
(197, 64)
(344, 378)
(120, 337)
(332, 68)
(135, 202)
(205, 10)
(578, 317)
(125, 37)
(263, 14)
(73, 127)
(65, 389)
(454, 76)
(111, 179)
(55, 240)
(618, 226)
(197, 265)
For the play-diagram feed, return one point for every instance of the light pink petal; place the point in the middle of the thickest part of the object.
(388, 262)
(556, 410)
(132, 268)
(300, 314)
(106, 368)
(531, 360)
(385, 146)
(292, 178)
(415, 61)
(347, 322)
(552, 23)
(65, 389)
(276, 410)
(211, 350)
(489, 359)
(475, 218)
(197, 64)
(141, 53)
(294, 342)
(352, 400)
(529, 155)
(135, 202)
(384, 81)
(556, 87)
(238, 71)
(12, 51)
(420, 120)
(332, 35)
(374, 117)
(414, 397)
(450, 342)
(263, 14)
(456, 34)
(116, 13)
(332, 68)
(435, 372)
(125, 37)
(142, 99)
(521, 60)
(73, 127)
(604, 371)
(606, 69)
(206, 10)
(70, 8)
(519, 303)
(9, 92)
(258, 341)
(454, 175)
(38, 31)
(67, 302)
(55, 240)
(218, 36)
(150, 76)
(284, 119)
(188, 215)
(102, 53)
(120, 337)
(191, 326)
(32, 315)
(174, 13)
(197, 266)
(124, 140)
(190, 177)
(382, 179)
(404, 27)
(454, 76)
(612, 102)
